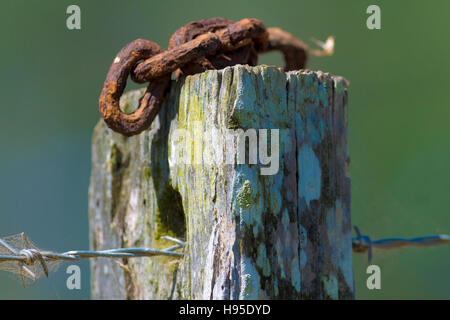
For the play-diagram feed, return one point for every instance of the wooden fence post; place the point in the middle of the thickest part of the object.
(277, 229)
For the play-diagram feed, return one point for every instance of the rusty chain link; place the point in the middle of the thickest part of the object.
(198, 46)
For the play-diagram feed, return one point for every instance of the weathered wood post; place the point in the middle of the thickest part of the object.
(277, 229)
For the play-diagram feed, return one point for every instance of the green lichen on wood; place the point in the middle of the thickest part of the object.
(244, 195)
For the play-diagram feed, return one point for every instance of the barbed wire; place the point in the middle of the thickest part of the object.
(25, 255)
(363, 244)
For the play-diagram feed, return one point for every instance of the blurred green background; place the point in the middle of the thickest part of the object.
(399, 114)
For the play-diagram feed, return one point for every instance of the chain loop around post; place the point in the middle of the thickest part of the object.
(198, 46)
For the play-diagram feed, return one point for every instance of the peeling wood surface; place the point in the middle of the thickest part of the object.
(250, 236)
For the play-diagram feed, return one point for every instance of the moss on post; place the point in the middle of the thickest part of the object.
(261, 230)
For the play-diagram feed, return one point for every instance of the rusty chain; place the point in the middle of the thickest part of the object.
(198, 46)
